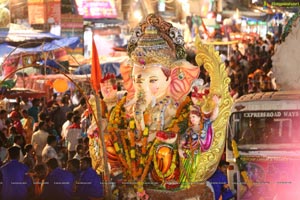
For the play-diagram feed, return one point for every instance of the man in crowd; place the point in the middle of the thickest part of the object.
(73, 133)
(27, 123)
(220, 183)
(59, 183)
(29, 158)
(34, 110)
(3, 117)
(11, 175)
(18, 141)
(39, 140)
(49, 150)
(73, 166)
(90, 183)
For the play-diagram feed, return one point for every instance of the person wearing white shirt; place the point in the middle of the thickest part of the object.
(73, 133)
(49, 150)
(18, 140)
(79, 152)
(39, 140)
(67, 123)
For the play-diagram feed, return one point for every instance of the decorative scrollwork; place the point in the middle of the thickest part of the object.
(207, 162)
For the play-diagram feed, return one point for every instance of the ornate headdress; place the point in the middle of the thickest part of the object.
(156, 41)
(196, 110)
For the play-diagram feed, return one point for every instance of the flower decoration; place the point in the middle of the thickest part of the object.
(180, 121)
(199, 94)
(167, 137)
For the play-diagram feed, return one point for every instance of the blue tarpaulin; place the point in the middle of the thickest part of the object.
(17, 33)
(71, 42)
(110, 67)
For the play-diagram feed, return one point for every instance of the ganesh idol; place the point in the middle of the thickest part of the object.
(157, 80)
(145, 126)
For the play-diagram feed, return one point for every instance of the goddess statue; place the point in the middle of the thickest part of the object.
(199, 134)
(146, 126)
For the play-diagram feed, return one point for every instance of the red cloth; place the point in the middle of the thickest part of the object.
(14, 114)
(19, 128)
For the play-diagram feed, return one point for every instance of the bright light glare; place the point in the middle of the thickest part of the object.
(210, 15)
(138, 15)
(236, 15)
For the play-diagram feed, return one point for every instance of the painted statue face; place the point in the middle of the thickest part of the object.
(152, 80)
(195, 119)
(108, 90)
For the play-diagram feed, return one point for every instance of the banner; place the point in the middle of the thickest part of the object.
(44, 11)
(72, 25)
(95, 9)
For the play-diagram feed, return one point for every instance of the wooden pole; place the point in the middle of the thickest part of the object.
(107, 186)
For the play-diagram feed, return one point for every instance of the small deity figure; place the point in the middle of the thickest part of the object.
(190, 140)
(189, 145)
(197, 138)
(108, 87)
(199, 135)
(110, 97)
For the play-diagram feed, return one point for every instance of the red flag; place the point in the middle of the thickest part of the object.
(95, 68)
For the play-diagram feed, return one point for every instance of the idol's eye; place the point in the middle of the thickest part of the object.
(153, 80)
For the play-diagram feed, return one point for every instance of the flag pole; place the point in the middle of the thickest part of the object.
(107, 188)
(95, 80)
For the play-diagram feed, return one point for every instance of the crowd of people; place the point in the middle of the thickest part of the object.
(44, 148)
(249, 66)
(44, 151)
(251, 71)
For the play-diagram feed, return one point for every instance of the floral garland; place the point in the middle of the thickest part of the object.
(137, 168)
(137, 163)
(180, 122)
(241, 164)
(117, 119)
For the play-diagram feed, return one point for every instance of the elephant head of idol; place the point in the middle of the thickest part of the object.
(157, 67)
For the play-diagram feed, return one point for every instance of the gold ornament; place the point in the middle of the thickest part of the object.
(206, 163)
(156, 41)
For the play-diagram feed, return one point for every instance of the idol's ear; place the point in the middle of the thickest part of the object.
(125, 71)
(182, 76)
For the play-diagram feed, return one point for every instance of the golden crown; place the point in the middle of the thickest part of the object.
(156, 41)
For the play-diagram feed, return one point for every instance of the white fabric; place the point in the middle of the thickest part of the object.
(64, 128)
(48, 152)
(72, 136)
(39, 141)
